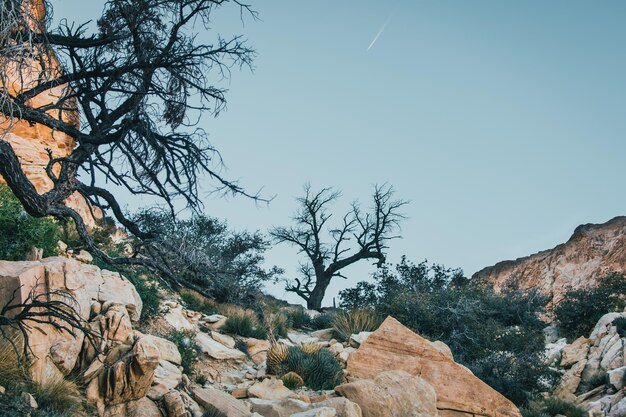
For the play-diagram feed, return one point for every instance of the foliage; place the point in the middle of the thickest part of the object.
(205, 255)
(292, 380)
(298, 319)
(322, 321)
(201, 379)
(581, 309)
(197, 302)
(360, 235)
(59, 395)
(498, 336)
(318, 368)
(552, 407)
(19, 231)
(620, 325)
(347, 323)
(278, 323)
(185, 342)
(244, 325)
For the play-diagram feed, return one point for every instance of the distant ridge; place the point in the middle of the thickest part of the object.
(591, 252)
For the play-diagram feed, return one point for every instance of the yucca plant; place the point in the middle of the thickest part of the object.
(347, 323)
(292, 380)
(317, 367)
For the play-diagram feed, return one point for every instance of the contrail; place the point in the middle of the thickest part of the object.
(379, 32)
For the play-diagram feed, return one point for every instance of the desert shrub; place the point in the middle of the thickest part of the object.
(278, 323)
(59, 395)
(318, 368)
(555, 406)
(201, 379)
(185, 342)
(322, 321)
(211, 411)
(202, 252)
(620, 326)
(239, 325)
(292, 380)
(595, 380)
(19, 231)
(298, 319)
(346, 323)
(146, 287)
(195, 301)
(497, 336)
(580, 310)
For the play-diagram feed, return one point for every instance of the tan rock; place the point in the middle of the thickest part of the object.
(317, 412)
(179, 321)
(215, 349)
(285, 408)
(575, 352)
(257, 349)
(143, 407)
(269, 389)
(223, 402)
(395, 347)
(224, 339)
(239, 393)
(343, 406)
(324, 334)
(167, 350)
(174, 404)
(84, 257)
(167, 376)
(392, 393)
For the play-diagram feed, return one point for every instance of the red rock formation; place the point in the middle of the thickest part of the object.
(591, 252)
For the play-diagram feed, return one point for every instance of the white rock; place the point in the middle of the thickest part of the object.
(301, 338)
(177, 319)
(357, 340)
(224, 339)
(616, 377)
(215, 349)
(317, 412)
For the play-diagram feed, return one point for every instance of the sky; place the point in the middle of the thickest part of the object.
(502, 122)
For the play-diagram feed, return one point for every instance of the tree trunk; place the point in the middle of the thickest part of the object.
(314, 302)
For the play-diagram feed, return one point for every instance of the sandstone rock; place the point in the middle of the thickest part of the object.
(167, 376)
(570, 381)
(392, 393)
(617, 377)
(257, 349)
(357, 339)
(343, 406)
(194, 409)
(324, 334)
(269, 389)
(216, 321)
(224, 339)
(317, 412)
(443, 348)
(29, 401)
(300, 338)
(215, 349)
(619, 409)
(601, 328)
(175, 318)
(575, 352)
(554, 351)
(174, 404)
(167, 350)
(394, 347)
(84, 257)
(223, 402)
(143, 407)
(285, 408)
(591, 252)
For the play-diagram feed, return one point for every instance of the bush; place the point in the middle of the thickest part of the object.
(60, 396)
(322, 321)
(298, 319)
(620, 325)
(346, 323)
(580, 310)
(497, 336)
(239, 325)
(317, 367)
(185, 342)
(555, 406)
(195, 301)
(19, 231)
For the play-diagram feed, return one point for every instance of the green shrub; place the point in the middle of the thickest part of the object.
(19, 231)
(298, 319)
(201, 379)
(347, 323)
(620, 325)
(197, 302)
(240, 325)
(185, 342)
(322, 321)
(555, 406)
(580, 310)
(318, 368)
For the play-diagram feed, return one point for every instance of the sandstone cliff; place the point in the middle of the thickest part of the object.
(591, 252)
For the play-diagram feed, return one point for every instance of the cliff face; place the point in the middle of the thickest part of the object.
(31, 141)
(591, 252)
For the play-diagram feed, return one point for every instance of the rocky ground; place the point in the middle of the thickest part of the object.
(391, 372)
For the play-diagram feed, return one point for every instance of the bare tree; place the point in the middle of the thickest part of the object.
(130, 93)
(368, 232)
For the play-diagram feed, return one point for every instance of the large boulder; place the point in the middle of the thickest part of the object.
(228, 405)
(395, 347)
(54, 352)
(392, 393)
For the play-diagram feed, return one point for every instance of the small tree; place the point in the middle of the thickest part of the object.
(369, 231)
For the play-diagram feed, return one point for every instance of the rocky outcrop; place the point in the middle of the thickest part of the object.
(591, 252)
(593, 370)
(458, 391)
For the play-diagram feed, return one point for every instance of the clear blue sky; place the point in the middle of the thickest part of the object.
(503, 122)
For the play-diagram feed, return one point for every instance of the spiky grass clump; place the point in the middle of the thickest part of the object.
(60, 396)
(551, 407)
(13, 372)
(292, 380)
(323, 321)
(310, 347)
(318, 368)
(298, 319)
(347, 323)
(195, 301)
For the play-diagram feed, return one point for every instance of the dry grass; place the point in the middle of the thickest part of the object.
(347, 323)
(59, 395)
(12, 372)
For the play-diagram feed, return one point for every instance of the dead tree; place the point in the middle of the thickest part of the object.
(368, 232)
(139, 84)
